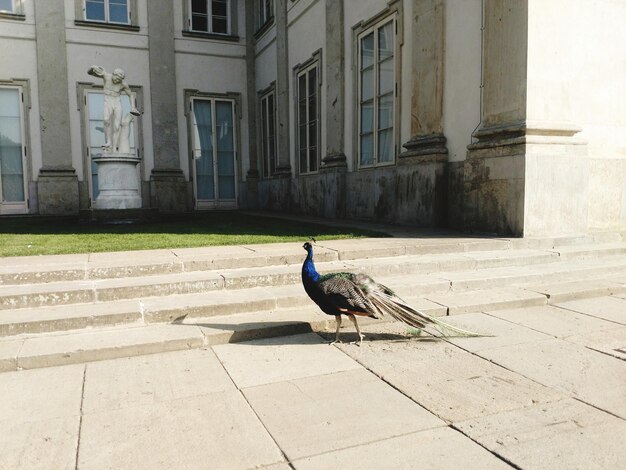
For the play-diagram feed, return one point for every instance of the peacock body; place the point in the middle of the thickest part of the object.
(355, 294)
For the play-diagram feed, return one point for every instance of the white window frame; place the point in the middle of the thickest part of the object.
(209, 18)
(107, 20)
(266, 13)
(18, 207)
(305, 72)
(268, 169)
(375, 30)
(216, 202)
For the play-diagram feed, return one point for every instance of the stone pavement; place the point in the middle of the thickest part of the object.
(547, 390)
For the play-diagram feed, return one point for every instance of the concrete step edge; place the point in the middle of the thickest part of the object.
(21, 274)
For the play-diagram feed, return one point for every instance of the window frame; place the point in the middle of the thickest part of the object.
(81, 17)
(22, 88)
(107, 14)
(374, 28)
(299, 71)
(209, 30)
(16, 12)
(269, 162)
(192, 95)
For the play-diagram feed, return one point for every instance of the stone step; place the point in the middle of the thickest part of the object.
(101, 290)
(41, 269)
(556, 282)
(95, 266)
(29, 351)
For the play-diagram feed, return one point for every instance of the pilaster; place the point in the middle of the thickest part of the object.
(252, 176)
(168, 188)
(427, 142)
(57, 184)
(334, 76)
(283, 167)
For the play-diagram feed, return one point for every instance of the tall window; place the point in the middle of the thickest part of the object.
(12, 184)
(308, 119)
(376, 94)
(214, 153)
(268, 133)
(210, 16)
(266, 11)
(107, 11)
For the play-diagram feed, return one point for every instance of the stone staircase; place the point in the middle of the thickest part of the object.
(66, 309)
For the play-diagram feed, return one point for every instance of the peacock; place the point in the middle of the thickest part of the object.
(353, 295)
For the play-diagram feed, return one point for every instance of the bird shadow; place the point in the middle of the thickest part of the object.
(292, 332)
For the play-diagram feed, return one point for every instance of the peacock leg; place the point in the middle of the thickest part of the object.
(338, 320)
(358, 331)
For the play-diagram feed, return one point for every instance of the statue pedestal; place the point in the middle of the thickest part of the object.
(118, 181)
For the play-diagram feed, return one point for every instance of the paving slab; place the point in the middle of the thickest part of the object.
(441, 448)
(33, 445)
(609, 341)
(564, 434)
(449, 382)
(497, 332)
(612, 308)
(280, 359)
(313, 415)
(479, 300)
(147, 380)
(217, 430)
(554, 321)
(71, 347)
(41, 395)
(588, 375)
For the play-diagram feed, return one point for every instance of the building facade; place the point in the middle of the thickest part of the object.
(503, 116)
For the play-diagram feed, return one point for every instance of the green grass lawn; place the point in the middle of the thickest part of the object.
(49, 236)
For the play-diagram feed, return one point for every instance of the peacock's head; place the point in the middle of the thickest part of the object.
(308, 247)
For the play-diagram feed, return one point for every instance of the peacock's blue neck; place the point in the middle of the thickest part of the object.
(308, 269)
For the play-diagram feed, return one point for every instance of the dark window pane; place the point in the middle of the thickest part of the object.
(302, 144)
(220, 25)
(302, 117)
(303, 161)
(313, 133)
(312, 81)
(219, 8)
(199, 23)
(95, 10)
(385, 41)
(312, 108)
(199, 6)
(313, 159)
(302, 87)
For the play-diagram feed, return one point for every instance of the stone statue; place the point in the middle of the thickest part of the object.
(114, 86)
(123, 143)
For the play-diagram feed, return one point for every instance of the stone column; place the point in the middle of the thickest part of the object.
(57, 184)
(335, 85)
(283, 167)
(252, 177)
(168, 188)
(427, 141)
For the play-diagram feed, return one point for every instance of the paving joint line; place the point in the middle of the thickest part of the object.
(80, 420)
(492, 452)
